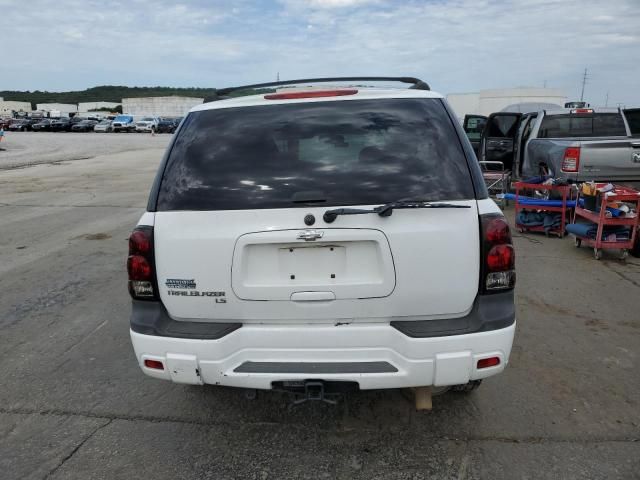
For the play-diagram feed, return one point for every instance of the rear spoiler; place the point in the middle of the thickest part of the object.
(416, 83)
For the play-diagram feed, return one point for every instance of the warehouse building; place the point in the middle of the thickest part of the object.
(57, 109)
(7, 107)
(173, 106)
(486, 102)
(90, 106)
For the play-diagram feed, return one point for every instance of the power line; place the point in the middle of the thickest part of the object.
(584, 82)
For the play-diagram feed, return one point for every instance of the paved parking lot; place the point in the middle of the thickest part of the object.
(74, 405)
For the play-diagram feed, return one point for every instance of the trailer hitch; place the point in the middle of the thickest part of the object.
(314, 391)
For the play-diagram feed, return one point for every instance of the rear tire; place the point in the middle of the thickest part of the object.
(466, 387)
(635, 251)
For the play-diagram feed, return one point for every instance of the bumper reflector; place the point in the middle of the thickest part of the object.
(488, 362)
(155, 364)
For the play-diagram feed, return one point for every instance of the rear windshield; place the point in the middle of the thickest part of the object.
(633, 119)
(579, 125)
(334, 153)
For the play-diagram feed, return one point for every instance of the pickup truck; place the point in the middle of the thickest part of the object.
(575, 144)
(124, 123)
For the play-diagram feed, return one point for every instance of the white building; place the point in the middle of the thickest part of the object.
(59, 109)
(89, 106)
(7, 107)
(173, 106)
(486, 102)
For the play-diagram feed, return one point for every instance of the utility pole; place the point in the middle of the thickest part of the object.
(584, 82)
(606, 100)
(277, 76)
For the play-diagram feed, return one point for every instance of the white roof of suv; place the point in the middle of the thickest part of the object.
(364, 93)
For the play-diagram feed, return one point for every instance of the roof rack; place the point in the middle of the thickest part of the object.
(416, 83)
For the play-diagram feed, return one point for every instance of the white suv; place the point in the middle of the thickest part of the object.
(308, 239)
(147, 124)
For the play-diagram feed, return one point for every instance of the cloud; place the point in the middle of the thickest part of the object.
(327, 4)
(455, 45)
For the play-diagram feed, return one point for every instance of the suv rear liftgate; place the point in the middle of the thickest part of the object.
(322, 235)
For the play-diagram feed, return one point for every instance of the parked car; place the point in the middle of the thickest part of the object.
(326, 239)
(84, 126)
(575, 144)
(124, 123)
(147, 124)
(104, 126)
(61, 125)
(22, 125)
(41, 125)
(6, 122)
(166, 125)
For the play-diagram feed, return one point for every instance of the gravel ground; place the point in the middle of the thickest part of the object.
(74, 405)
(20, 149)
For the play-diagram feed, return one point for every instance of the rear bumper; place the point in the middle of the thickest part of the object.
(375, 355)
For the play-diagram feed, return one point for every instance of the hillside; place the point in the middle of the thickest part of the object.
(106, 93)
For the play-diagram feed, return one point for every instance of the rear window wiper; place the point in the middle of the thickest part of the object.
(387, 209)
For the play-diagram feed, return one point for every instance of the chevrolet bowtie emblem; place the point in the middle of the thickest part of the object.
(310, 235)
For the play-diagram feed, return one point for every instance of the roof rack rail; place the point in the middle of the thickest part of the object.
(416, 83)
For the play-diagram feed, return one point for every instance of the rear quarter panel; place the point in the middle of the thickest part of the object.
(601, 159)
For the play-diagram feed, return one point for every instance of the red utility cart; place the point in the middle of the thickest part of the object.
(618, 194)
(563, 209)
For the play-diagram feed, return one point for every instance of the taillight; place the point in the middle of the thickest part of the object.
(571, 159)
(582, 110)
(498, 257)
(311, 94)
(140, 265)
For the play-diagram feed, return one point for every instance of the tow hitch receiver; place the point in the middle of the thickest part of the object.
(314, 391)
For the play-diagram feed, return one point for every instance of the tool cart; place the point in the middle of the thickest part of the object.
(562, 206)
(600, 219)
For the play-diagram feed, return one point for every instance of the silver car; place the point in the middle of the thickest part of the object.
(105, 126)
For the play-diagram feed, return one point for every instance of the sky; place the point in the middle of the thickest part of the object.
(454, 45)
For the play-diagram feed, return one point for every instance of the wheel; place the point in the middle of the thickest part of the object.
(466, 387)
(624, 253)
(597, 253)
(521, 230)
(577, 242)
(635, 251)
